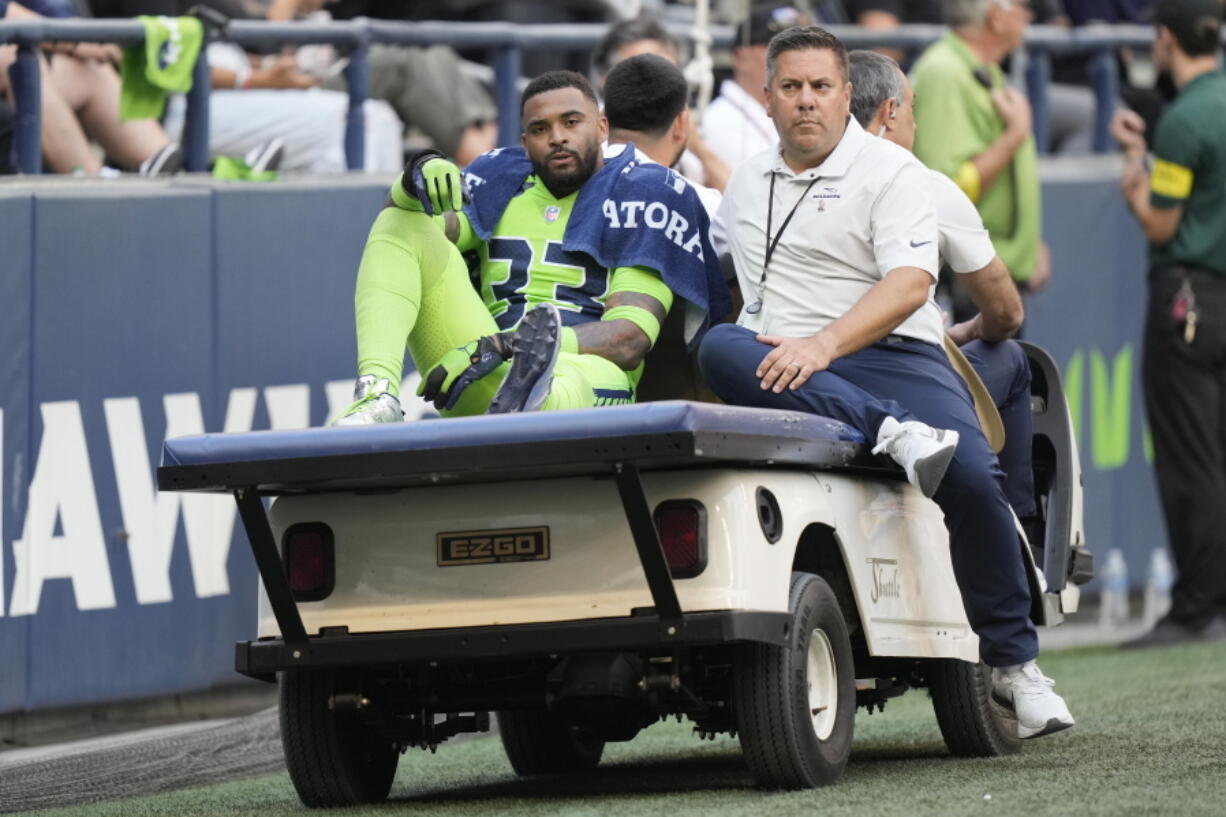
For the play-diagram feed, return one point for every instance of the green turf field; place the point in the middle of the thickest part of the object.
(1150, 740)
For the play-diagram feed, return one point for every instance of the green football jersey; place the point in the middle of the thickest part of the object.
(523, 262)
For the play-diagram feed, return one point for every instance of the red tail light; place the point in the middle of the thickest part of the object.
(307, 551)
(682, 525)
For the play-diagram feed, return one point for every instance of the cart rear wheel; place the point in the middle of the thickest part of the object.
(795, 705)
(972, 724)
(333, 758)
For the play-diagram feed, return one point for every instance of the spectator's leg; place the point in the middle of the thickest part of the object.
(428, 89)
(91, 89)
(65, 147)
(1005, 371)
(1071, 110)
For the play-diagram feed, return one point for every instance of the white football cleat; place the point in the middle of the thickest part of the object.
(373, 403)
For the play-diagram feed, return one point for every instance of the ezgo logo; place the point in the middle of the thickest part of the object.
(477, 547)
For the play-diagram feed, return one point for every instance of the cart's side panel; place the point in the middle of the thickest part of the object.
(896, 549)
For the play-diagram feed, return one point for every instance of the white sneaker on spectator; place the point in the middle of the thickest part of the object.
(166, 161)
(266, 156)
(1029, 693)
(373, 403)
(923, 452)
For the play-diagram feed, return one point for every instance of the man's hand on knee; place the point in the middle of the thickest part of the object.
(461, 367)
(792, 361)
(434, 182)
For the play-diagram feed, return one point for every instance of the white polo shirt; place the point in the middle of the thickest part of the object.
(735, 125)
(869, 211)
(964, 242)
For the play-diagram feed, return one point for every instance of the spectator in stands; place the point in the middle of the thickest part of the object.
(645, 35)
(536, 61)
(890, 14)
(79, 91)
(1181, 206)
(259, 105)
(428, 88)
(735, 124)
(976, 130)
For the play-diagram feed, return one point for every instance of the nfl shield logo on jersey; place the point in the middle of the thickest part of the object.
(551, 213)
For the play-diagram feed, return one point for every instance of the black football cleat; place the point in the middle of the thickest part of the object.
(536, 346)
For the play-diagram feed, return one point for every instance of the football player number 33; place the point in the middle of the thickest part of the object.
(525, 278)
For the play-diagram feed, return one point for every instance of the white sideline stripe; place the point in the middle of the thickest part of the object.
(15, 757)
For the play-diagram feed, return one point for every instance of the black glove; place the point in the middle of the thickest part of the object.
(463, 366)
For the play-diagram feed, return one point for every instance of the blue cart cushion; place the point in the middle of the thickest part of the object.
(636, 432)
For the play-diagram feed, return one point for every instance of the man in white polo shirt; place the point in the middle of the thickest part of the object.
(834, 237)
(881, 101)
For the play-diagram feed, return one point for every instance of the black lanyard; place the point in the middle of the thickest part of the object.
(772, 243)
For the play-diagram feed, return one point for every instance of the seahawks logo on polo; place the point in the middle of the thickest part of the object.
(655, 215)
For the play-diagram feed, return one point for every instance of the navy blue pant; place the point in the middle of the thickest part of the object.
(911, 380)
(1005, 371)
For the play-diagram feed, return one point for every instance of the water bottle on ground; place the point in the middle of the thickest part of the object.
(1113, 603)
(1158, 587)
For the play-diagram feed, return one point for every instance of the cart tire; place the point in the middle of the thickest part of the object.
(972, 724)
(333, 758)
(537, 742)
(775, 691)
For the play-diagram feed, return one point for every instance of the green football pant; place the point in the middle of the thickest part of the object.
(413, 289)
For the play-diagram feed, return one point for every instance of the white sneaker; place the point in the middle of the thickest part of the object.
(373, 403)
(165, 161)
(923, 452)
(266, 156)
(1028, 692)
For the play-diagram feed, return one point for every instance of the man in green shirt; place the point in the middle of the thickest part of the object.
(976, 130)
(1181, 206)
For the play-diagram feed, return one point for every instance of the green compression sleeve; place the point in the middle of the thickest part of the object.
(638, 316)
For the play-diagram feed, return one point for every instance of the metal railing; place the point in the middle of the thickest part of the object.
(508, 41)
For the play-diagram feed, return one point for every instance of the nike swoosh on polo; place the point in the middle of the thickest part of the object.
(915, 245)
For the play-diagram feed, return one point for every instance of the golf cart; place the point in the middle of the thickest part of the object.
(584, 574)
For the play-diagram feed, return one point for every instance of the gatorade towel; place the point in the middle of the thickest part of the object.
(162, 65)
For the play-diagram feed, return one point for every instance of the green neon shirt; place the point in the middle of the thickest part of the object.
(956, 121)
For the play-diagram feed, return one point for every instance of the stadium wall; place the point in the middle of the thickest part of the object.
(132, 312)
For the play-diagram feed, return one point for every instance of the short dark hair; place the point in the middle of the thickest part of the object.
(1196, 25)
(804, 38)
(874, 79)
(645, 94)
(634, 30)
(552, 81)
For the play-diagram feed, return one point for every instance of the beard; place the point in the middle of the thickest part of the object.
(562, 183)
